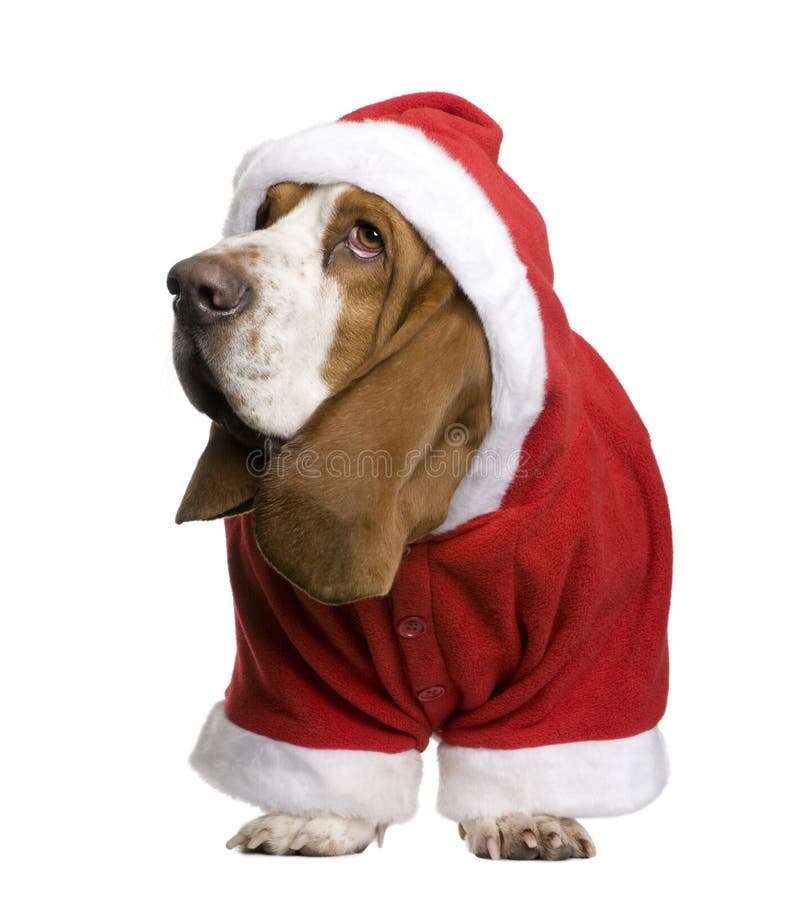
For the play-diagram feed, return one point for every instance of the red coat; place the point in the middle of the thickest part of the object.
(539, 616)
(543, 622)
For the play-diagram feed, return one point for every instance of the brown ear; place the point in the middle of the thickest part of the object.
(221, 484)
(377, 463)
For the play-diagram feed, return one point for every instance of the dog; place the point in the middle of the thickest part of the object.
(443, 515)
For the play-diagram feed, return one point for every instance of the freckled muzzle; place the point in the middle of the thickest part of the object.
(207, 291)
(260, 315)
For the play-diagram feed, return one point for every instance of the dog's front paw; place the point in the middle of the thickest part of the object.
(328, 835)
(526, 837)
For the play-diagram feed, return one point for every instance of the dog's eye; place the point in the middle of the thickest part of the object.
(365, 241)
(262, 216)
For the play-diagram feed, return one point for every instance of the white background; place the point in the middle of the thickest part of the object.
(652, 136)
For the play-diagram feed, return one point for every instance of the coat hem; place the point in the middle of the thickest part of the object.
(281, 777)
(584, 778)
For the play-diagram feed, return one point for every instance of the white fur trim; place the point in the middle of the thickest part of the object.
(302, 781)
(456, 219)
(586, 778)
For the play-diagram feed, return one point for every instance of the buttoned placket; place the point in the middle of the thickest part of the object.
(413, 625)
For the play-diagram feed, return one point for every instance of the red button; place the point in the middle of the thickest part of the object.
(431, 693)
(411, 626)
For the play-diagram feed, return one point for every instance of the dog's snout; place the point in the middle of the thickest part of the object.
(206, 290)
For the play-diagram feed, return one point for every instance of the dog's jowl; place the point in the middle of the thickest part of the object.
(443, 514)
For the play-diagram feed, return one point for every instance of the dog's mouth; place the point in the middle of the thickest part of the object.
(205, 395)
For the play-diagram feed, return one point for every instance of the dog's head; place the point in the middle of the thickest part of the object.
(348, 379)
(364, 328)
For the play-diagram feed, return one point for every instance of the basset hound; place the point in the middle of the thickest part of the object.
(443, 515)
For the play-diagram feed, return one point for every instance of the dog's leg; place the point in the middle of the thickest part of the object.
(526, 837)
(328, 835)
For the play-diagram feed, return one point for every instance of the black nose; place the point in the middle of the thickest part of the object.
(206, 289)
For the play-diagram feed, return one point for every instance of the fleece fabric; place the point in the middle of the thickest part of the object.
(541, 621)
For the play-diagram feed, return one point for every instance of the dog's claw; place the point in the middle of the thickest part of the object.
(492, 845)
(519, 836)
(282, 834)
(380, 830)
(235, 841)
(299, 841)
(256, 840)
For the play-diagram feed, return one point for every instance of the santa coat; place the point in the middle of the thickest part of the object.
(528, 633)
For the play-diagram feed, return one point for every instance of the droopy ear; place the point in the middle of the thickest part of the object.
(221, 484)
(377, 463)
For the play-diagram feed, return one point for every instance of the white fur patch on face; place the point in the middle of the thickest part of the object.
(268, 360)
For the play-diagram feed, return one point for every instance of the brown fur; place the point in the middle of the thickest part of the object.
(282, 198)
(221, 485)
(342, 538)
(376, 291)
(409, 360)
